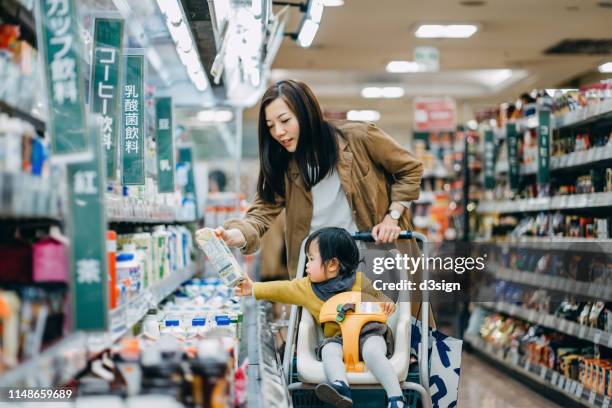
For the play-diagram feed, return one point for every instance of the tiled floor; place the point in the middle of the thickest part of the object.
(484, 386)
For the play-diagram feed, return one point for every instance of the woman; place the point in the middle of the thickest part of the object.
(346, 174)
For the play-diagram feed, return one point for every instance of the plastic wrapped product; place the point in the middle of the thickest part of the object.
(220, 256)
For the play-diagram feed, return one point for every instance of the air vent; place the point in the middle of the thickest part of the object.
(582, 46)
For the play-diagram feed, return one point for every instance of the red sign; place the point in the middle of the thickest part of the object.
(435, 115)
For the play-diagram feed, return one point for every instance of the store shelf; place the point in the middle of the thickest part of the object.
(551, 379)
(567, 202)
(38, 124)
(428, 197)
(27, 197)
(583, 332)
(119, 220)
(584, 115)
(558, 243)
(62, 361)
(587, 289)
(437, 174)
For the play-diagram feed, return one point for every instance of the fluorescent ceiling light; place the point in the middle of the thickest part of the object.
(363, 115)
(403, 67)
(218, 116)
(315, 11)
(333, 3)
(256, 7)
(307, 33)
(445, 31)
(385, 92)
(605, 68)
(171, 10)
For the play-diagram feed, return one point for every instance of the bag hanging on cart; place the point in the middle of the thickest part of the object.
(444, 365)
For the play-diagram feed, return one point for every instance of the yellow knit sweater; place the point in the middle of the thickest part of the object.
(299, 292)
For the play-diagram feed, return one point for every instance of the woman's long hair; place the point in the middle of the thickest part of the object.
(316, 153)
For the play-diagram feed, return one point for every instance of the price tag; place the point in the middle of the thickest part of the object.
(515, 358)
(592, 396)
(527, 364)
(542, 318)
(568, 385)
(582, 332)
(543, 371)
(563, 325)
(567, 286)
(561, 382)
(532, 315)
(579, 389)
(606, 402)
(554, 378)
(573, 387)
(570, 328)
(513, 310)
(609, 340)
(597, 337)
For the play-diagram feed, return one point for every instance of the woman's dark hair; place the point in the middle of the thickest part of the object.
(336, 243)
(317, 146)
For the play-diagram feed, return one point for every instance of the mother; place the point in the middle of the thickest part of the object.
(342, 174)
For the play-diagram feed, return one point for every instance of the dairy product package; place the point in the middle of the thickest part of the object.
(220, 257)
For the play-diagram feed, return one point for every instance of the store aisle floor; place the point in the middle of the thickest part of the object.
(484, 386)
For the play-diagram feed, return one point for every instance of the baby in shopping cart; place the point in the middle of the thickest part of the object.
(333, 258)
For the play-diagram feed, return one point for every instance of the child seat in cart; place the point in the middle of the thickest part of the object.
(303, 371)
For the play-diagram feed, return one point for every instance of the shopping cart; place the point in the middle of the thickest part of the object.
(303, 371)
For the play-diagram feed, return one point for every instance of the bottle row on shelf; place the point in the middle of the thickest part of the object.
(576, 379)
(186, 350)
(143, 269)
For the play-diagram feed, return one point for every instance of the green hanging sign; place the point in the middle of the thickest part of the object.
(89, 273)
(132, 114)
(543, 146)
(106, 86)
(489, 160)
(186, 160)
(513, 160)
(61, 50)
(164, 145)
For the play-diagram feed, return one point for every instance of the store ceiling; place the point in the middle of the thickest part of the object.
(355, 42)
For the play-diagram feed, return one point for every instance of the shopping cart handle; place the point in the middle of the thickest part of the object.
(367, 235)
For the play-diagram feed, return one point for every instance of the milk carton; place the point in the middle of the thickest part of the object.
(220, 257)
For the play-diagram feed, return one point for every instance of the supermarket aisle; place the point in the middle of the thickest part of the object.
(483, 386)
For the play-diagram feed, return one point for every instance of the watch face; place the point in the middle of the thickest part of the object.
(394, 214)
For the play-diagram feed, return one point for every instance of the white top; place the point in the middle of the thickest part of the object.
(330, 207)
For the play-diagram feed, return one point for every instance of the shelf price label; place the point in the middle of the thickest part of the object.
(89, 274)
(592, 396)
(579, 389)
(543, 145)
(164, 145)
(513, 162)
(606, 402)
(132, 120)
(543, 371)
(105, 85)
(61, 49)
(489, 158)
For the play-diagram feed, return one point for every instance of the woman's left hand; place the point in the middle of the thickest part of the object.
(387, 308)
(387, 231)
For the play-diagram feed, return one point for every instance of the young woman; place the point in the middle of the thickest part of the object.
(345, 174)
(333, 258)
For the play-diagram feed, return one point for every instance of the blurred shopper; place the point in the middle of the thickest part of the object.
(343, 174)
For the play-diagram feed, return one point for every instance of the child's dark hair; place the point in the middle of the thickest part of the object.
(336, 243)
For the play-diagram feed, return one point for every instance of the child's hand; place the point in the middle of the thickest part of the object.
(244, 288)
(387, 308)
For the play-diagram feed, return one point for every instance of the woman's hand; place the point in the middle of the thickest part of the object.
(233, 237)
(244, 288)
(387, 231)
(387, 308)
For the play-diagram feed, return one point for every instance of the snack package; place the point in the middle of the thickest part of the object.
(220, 257)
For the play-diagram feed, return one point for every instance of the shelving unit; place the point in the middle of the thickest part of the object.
(62, 361)
(566, 202)
(564, 387)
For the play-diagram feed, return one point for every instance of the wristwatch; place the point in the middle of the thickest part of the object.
(394, 214)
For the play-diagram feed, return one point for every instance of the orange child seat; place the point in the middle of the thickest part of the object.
(351, 314)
